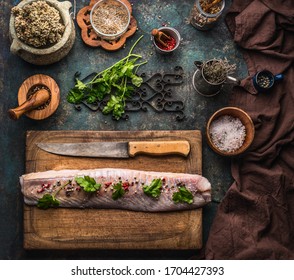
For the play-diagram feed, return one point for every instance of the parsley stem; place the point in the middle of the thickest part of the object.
(107, 69)
(132, 48)
(125, 58)
(138, 65)
(61, 187)
(125, 87)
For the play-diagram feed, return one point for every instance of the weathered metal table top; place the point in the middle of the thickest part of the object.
(195, 45)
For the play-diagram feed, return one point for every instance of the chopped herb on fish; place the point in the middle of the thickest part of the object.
(88, 184)
(154, 189)
(118, 191)
(48, 200)
(183, 195)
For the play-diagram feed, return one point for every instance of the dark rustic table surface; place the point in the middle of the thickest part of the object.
(195, 45)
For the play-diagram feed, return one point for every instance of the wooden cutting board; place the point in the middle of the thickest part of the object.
(112, 229)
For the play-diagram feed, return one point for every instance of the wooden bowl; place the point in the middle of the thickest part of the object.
(246, 121)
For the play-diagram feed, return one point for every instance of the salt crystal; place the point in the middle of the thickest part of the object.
(227, 133)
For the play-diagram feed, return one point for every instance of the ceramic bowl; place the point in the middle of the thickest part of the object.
(171, 32)
(112, 3)
(246, 121)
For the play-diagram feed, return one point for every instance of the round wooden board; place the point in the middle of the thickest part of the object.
(47, 81)
(91, 39)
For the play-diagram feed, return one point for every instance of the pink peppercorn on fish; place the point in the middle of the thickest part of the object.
(117, 189)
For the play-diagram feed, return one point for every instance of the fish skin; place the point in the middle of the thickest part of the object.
(134, 199)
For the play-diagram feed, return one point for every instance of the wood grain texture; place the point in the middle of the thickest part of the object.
(90, 37)
(37, 99)
(159, 148)
(112, 229)
(42, 80)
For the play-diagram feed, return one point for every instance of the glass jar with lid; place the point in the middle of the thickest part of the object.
(205, 13)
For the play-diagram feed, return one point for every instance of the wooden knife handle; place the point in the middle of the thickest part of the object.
(158, 148)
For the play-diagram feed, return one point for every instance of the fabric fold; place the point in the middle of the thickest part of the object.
(255, 220)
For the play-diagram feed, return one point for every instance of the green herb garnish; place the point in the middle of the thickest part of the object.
(118, 191)
(88, 184)
(154, 189)
(49, 200)
(117, 82)
(183, 195)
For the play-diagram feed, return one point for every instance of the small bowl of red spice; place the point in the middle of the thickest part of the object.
(165, 39)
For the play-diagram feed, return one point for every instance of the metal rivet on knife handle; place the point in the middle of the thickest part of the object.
(159, 148)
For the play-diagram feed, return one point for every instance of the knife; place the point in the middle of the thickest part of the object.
(117, 149)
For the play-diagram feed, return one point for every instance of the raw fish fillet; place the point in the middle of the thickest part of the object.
(35, 185)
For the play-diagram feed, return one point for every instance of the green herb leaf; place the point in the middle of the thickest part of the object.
(136, 80)
(118, 191)
(183, 195)
(88, 184)
(80, 85)
(47, 201)
(128, 68)
(115, 106)
(154, 189)
(75, 96)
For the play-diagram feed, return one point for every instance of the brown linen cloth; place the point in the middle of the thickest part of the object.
(255, 220)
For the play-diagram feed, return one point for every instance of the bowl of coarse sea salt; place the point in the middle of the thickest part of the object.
(230, 131)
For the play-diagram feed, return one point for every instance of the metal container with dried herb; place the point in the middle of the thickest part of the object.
(205, 13)
(211, 75)
(41, 32)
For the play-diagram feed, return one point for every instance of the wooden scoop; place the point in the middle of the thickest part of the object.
(37, 99)
(160, 37)
(206, 7)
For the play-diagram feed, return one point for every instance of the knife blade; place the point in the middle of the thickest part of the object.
(117, 149)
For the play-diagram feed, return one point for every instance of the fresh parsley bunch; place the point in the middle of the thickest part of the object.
(118, 82)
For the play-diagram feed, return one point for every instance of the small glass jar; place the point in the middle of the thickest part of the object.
(204, 18)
